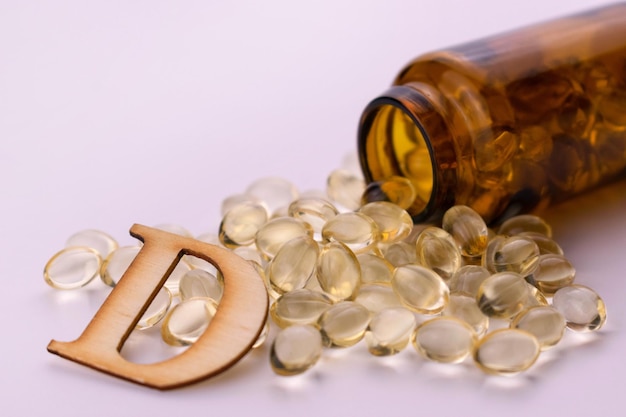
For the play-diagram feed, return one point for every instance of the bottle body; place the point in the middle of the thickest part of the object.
(507, 124)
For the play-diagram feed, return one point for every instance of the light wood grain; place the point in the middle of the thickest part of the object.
(232, 332)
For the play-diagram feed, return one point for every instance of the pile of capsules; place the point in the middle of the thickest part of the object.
(348, 265)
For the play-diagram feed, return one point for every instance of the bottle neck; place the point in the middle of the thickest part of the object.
(404, 133)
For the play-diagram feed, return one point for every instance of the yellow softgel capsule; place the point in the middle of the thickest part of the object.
(274, 192)
(546, 323)
(515, 253)
(394, 223)
(552, 272)
(389, 331)
(464, 307)
(444, 339)
(117, 263)
(156, 310)
(343, 324)
(273, 234)
(582, 307)
(72, 267)
(374, 269)
(377, 297)
(545, 244)
(502, 295)
(525, 223)
(397, 190)
(295, 349)
(201, 283)
(467, 279)
(420, 289)
(399, 253)
(345, 188)
(240, 225)
(436, 249)
(301, 306)
(338, 271)
(314, 211)
(468, 229)
(506, 351)
(237, 199)
(293, 265)
(356, 230)
(98, 240)
(186, 321)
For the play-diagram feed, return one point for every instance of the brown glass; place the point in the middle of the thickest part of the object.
(509, 123)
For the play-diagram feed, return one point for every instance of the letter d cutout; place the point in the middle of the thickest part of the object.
(239, 319)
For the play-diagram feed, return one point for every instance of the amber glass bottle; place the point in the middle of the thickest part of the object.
(509, 123)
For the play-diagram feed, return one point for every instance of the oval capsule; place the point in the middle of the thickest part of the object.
(420, 289)
(295, 349)
(506, 352)
(343, 324)
(582, 307)
(389, 331)
(72, 267)
(187, 321)
(444, 339)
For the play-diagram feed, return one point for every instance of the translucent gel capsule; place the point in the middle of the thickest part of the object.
(582, 308)
(516, 254)
(487, 259)
(437, 250)
(237, 199)
(117, 263)
(420, 289)
(338, 271)
(72, 267)
(295, 349)
(293, 264)
(444, 339)
(467, 279)
(275, 192)
(468, 229)
(185, 322)
(377, 297)
(273, 234)
(374, 269)
(156, 310)
(314, 211)
(389, 331)
(103, 243)
(545, 244)
(355, 230)
(546, 323)
(343, 324)
(201, 283)
(399, 253)
(464, 308)
(240, 224)
(345, 188)
(525, 223)
(506, 352)
(502, 295)
(397, 190)
(301, 306)
(394, 223)
(552, 272)
(174, 228)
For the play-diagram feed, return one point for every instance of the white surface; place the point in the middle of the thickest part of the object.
(113, 113)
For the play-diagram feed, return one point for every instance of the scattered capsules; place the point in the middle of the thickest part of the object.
(350, 265)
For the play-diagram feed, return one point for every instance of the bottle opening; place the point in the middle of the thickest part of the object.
(392, 142)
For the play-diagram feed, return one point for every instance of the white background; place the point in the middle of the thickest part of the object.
(122, 112)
